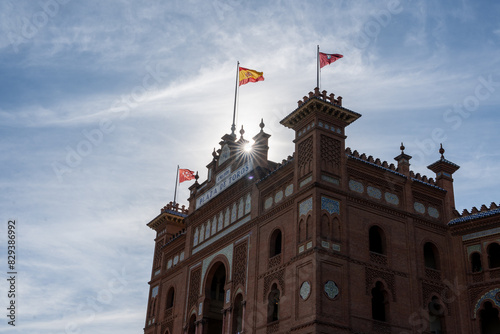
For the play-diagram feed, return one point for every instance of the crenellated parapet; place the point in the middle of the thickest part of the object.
(316, 103)
(370, 159)
(323, 96)
(174, 208)
(170, 220)
(390, 167)
(278, 167)
(475, 213)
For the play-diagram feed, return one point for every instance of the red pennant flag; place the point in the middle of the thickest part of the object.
(185, 175)
(327, 59)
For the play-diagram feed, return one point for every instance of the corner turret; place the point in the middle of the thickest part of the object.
(444, 170)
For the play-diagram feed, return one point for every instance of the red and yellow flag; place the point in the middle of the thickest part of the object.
(247, 76)
(185, 175)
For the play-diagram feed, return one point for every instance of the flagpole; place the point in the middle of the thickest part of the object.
(176, 182)
(317, 67)
(233, 126)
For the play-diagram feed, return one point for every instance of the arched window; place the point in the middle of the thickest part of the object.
(214, 298)
(241, 208)
(152, 308)
(475, 262)
(237, 315)
(248, 204)
(302, 230)
(379, 302)
(192, 325)
(490, 323)
(336, 229)
(494, 255)
(436, 312)
(377, 240)
(275, 244)
(170, 297)
(308, 228)
(217, 285)
(326, 229)
(273, 306)
(431, 256)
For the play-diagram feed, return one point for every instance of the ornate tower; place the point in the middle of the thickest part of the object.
(319, 123)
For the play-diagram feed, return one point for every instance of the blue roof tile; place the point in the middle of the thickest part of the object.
(474, 216)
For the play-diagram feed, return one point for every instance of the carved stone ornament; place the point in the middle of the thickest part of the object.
(305, 290)
(331, 289)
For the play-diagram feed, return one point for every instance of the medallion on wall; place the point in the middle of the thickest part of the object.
(331, 289)
(305, 290)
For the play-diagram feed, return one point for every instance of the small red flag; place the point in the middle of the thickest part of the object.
(185, 175)
(327, 59)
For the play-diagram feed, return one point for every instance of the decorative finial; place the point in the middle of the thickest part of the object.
(242, 132)
(441, 150)
(214, 154)
(196, 176)
(402, 148)
(233, 128)
(262, 125)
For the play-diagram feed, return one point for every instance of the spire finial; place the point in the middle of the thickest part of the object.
(402, 148)
(214, 154)
(242, 132)
(441, 150)
(262, 125)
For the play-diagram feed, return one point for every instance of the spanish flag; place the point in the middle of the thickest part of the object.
(247, 76)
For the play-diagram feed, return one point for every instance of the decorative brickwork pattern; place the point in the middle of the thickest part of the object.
(305, 152)
(240, 264)
(167, 324)
(380, 327)
(330, 152)
(168, 312)
(495, 273)
(378, 258)
(474, 294)
(278, 275)
(194, 287)
(439, 289)
(273, 328)
(274, 261)
(432, 274)
(478, 277)
(157, 258)
(371, 276)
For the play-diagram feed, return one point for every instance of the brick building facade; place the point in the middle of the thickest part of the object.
(327, 241)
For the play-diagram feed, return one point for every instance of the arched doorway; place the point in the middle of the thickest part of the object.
(192, 324)
(214, 299)
(237, 315)
(490, 322)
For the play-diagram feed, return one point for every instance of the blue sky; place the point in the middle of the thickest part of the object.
(100, 101)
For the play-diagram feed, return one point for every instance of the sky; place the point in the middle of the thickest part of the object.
(100, 101)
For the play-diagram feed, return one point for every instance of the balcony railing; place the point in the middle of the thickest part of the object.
(273, 327)
(274, 261)
(378, 258)
(432, 274)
